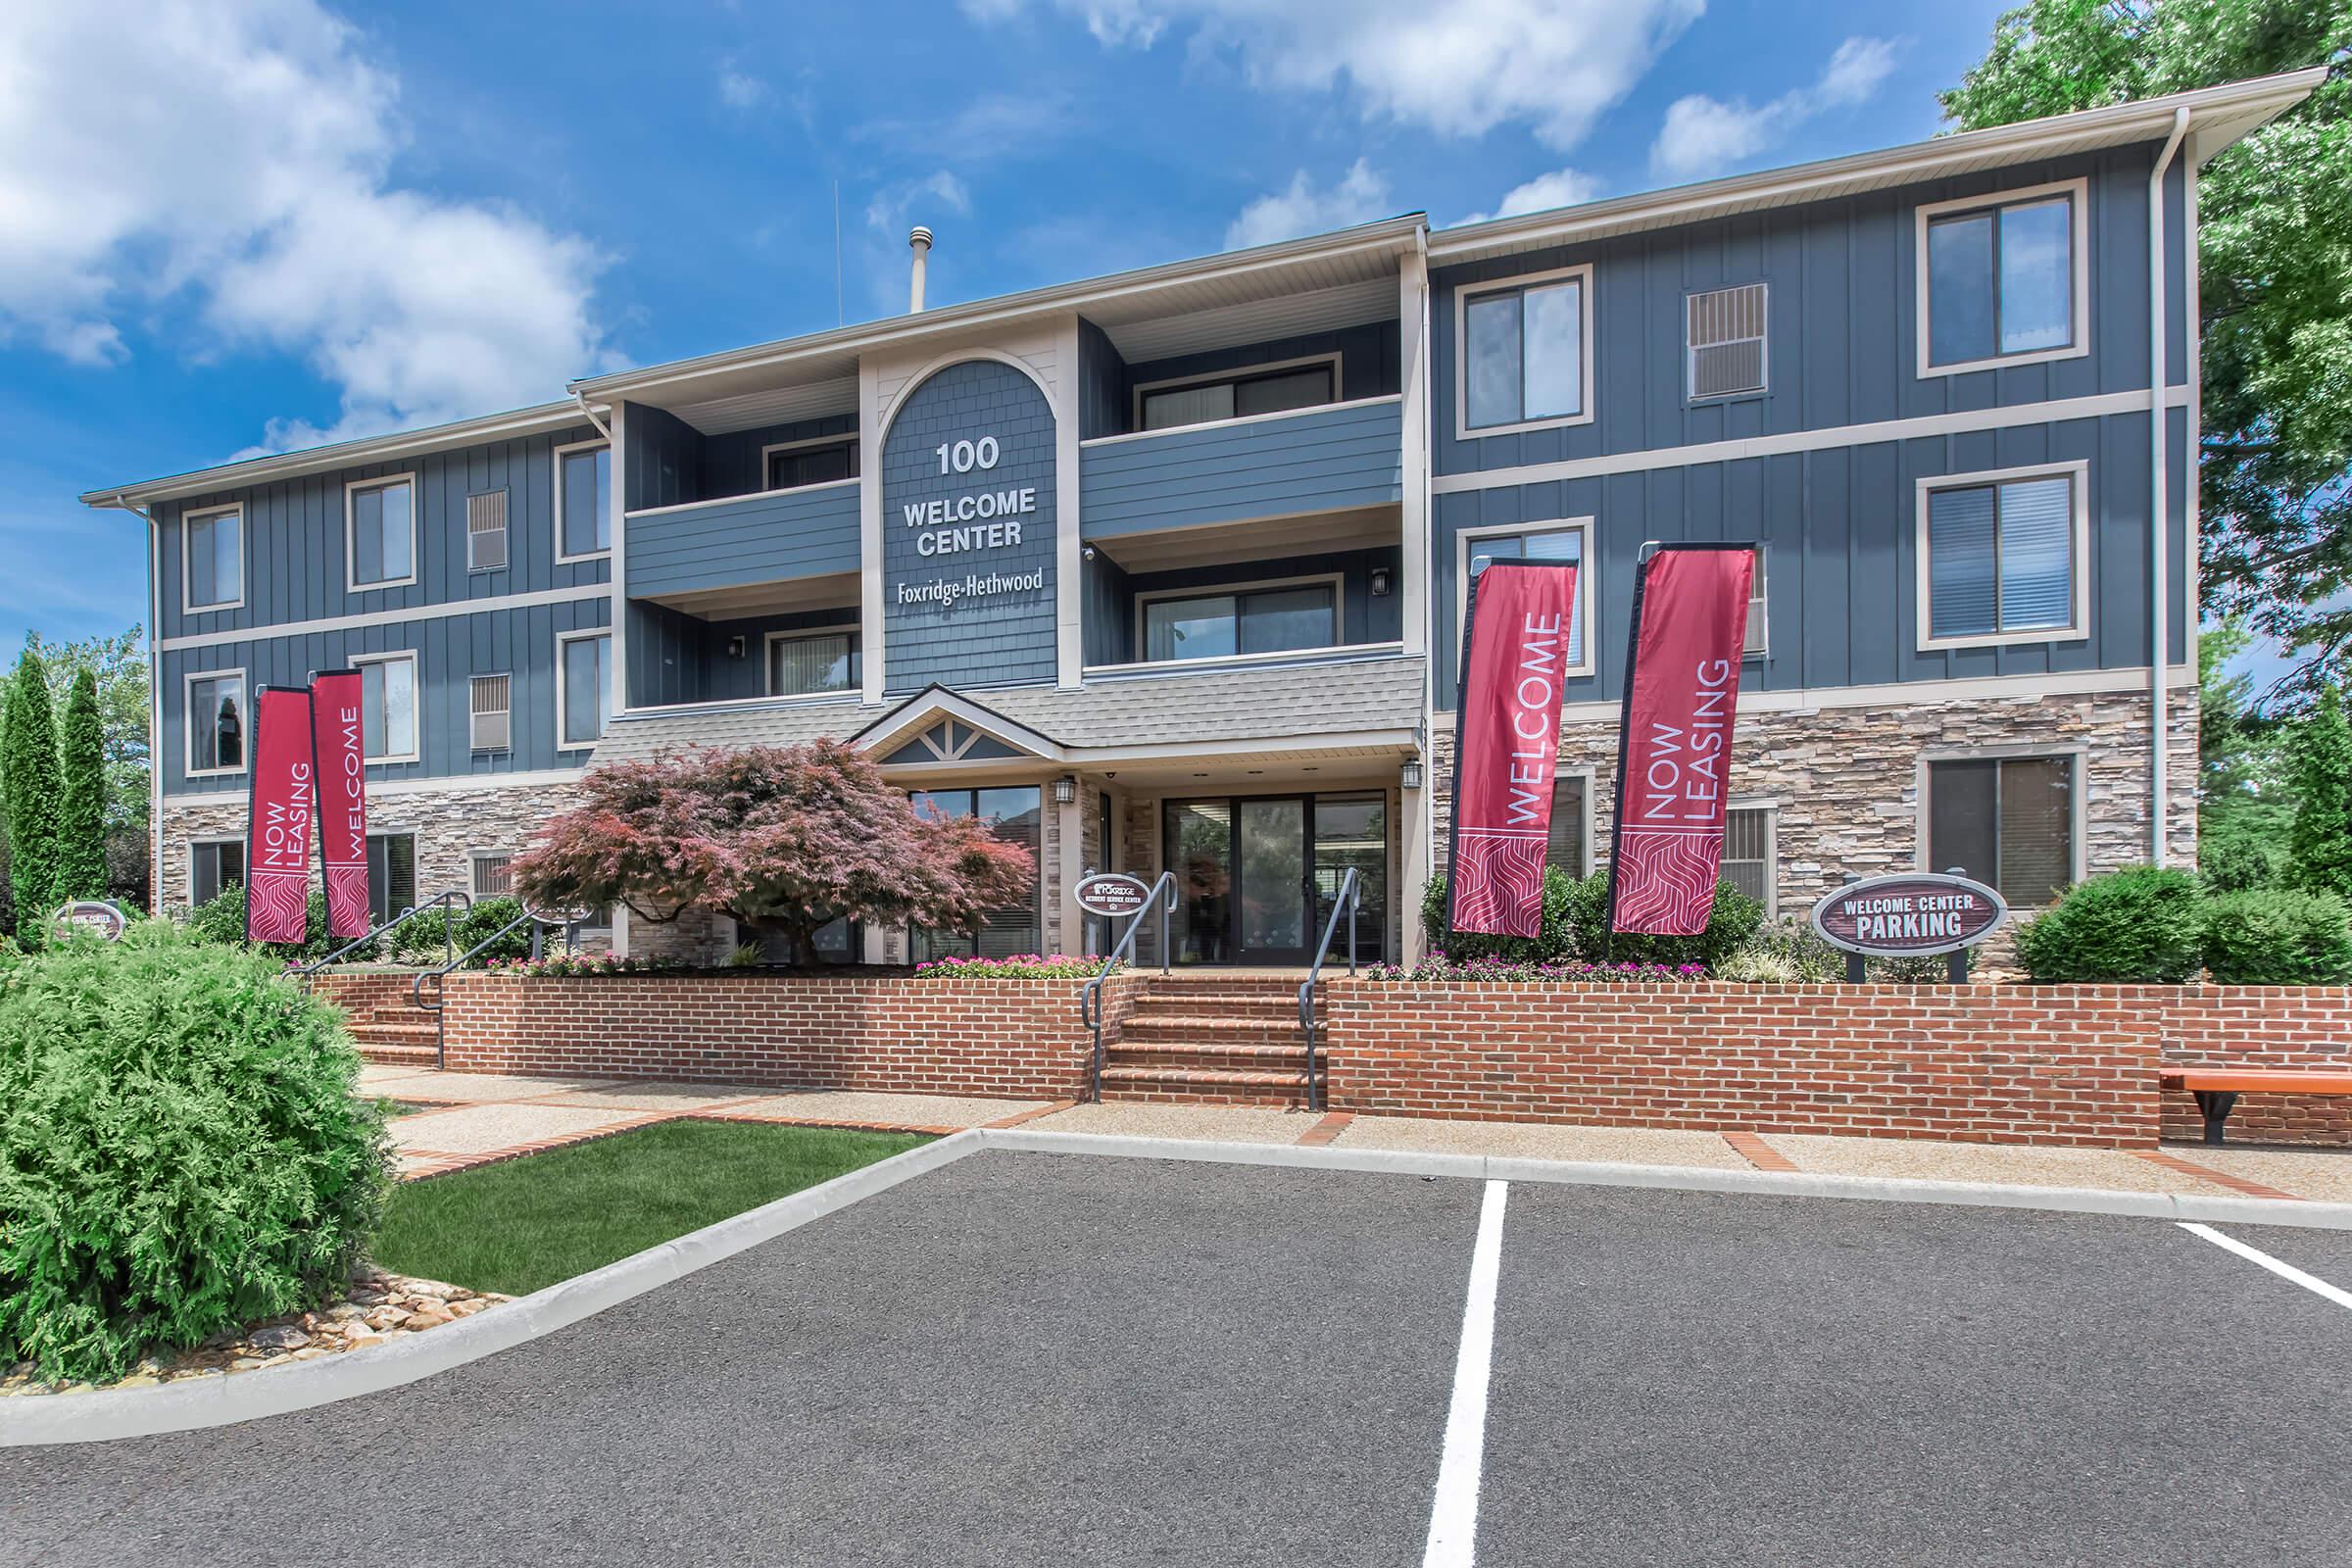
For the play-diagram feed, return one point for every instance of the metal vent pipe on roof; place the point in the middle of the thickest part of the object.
(920, 242)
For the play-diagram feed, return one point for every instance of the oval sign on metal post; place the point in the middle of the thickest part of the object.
(1910, 913)
(97, 916)
(1111, 894)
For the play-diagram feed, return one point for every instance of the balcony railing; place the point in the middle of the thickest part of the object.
(1335, 457)
(738, 541)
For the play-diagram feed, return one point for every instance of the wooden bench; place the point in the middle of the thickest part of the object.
(2217, 1088)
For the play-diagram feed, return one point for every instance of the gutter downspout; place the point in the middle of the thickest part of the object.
(2159, 501)
(155, 700)
(602, 428)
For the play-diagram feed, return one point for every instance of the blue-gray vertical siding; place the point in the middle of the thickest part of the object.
(449, 649)
(1319, 459)
(775, 536)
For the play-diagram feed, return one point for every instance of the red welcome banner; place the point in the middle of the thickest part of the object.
(277, 833)
(1506, 745)
(1682, 698)
(338, 750)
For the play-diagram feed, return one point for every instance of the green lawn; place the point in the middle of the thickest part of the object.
(526, 1224)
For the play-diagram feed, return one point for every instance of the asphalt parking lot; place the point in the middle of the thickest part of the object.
(1028, 1357)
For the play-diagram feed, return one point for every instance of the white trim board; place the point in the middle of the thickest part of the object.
(1092, 441)
(2102, 406)
(388, 618)
(1905, 694)
(463, 783)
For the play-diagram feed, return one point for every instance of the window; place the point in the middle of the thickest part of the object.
(1013, 816)
(1526, 352)
(804, 463)
(380, 516)
(216, 719)
(1754, 644)
(486, 531)
(583, 500)
(2003, 281)
(1276, 617)
(1546, 541)
(583, 688)
(492, 873)
(802, 666)
(490, 702)
(213, 564)
(2002, 557)
(1571, 828)
(388, 707)
(1751, 855)
(391, 875)
(1724, 338)
(1266, 389)
(214, 864)
(2007, 821)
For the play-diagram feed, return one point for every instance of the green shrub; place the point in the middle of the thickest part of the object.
(1784, 952)
(2274, 937)
(1914, 968)
(222, 919)
(1734, 920)
(2236, 864)
(2130, 926)
(1557, 942)
(181, 1149)
(479, 922)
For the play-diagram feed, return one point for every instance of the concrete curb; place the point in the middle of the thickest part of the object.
(1692, 1179)
(107, 1414)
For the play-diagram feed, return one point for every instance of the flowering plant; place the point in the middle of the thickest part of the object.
(1440, 969)
(568, 965)
(1019, 966)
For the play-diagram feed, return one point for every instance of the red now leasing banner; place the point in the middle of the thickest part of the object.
(340, 755)
(278, 834)
(1682, 695)
(1507, 743)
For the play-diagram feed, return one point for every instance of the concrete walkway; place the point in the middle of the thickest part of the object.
(469, 1119)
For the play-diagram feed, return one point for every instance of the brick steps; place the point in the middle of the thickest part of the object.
(1210, 1039)
(398, 1035)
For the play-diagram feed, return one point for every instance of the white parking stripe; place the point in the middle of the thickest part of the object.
(2286, 1271)
(1454, 1519)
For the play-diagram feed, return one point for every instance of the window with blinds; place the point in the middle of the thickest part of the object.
(1747, 854)
(2001, 558)
(800, 666)
(1565, 847)
(391, 875)
(486, 531)
(493, 876)
(2007, 821)
(491, 705)
(1724, 330)
(1754, 644)
(1013, 816)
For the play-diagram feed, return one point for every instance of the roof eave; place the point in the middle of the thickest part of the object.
(2249, 104)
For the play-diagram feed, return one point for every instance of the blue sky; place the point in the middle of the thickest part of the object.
(249, 224)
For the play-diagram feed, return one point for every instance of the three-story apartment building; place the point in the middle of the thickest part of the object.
(1165, 569)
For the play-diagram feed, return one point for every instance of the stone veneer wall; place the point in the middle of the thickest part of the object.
(448, 824)
(1844, 781)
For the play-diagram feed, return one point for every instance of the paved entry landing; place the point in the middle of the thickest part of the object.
(1028, 1357)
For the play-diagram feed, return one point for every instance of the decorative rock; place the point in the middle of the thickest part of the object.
(388, 1317)
(285, 1337)
(428, 1320)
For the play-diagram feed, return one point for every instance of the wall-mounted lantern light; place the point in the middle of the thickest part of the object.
(1065, 789)
(1379, 582)
(735, 647)
(1409, 776)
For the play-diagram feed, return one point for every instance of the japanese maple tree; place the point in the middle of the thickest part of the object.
(783, 839)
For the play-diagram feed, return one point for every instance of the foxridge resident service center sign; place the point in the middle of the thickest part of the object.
(968, 529)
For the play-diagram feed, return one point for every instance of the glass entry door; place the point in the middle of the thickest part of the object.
(1248, 873)
(1353, 831)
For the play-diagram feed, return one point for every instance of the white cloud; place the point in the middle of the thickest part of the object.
(131, 184)
(912, 201)
(1456, 67)
(738, 89)
(1300, 208)
(1562, 187)
(1704, 136)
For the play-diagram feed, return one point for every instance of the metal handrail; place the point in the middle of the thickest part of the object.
(530, 915)
(1090, 998)
(439, 900)
(1350, 896)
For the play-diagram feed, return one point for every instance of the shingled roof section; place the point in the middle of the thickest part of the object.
(1343, 696)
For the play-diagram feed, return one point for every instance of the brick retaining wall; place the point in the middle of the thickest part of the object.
(357, 990)
(1975, 1063)
(2262, 1026)
(1015, 1039)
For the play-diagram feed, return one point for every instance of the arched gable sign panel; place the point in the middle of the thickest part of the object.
(968, 530)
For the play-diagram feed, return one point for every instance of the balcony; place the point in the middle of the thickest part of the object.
(765, 550)
(1334, 457)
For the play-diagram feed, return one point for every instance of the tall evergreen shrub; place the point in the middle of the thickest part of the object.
(80, 865)
(29, 784)
(2320, 843)
(2143, 924)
